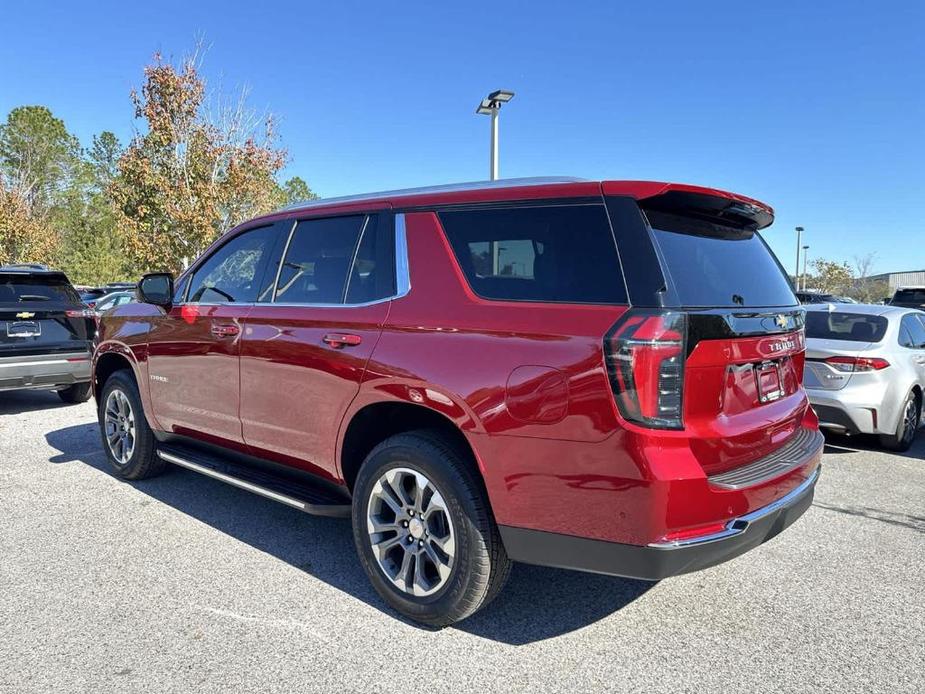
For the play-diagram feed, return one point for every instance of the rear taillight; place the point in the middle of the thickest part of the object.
(79, 313)
(645, 354)
(853, 364)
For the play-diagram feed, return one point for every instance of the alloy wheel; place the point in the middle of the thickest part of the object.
(119, 422)
(411, 532)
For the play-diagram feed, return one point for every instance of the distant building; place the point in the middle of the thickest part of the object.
(915, 278)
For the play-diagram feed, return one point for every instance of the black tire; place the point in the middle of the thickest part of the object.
(142, 462)
(77, 393)
(480, 566)
(909, 420)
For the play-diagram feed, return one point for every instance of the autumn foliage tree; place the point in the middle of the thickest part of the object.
(195, 170)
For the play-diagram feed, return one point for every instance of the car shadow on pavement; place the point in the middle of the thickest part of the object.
(21, 401)
(839, 444)
(537, 603)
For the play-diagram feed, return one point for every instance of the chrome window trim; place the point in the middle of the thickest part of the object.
(402, 277)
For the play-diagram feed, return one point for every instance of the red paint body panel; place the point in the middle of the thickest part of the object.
(295, 388)
(526, 384)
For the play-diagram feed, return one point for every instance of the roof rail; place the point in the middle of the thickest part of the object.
(446, 188)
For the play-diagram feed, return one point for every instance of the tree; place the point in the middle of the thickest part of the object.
(832, 277)
(296, 190)
(865, 289)
(38, 156)
(23, 236)
(189, 177)
(91, 249)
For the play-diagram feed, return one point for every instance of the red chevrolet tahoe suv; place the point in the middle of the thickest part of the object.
(604, 376)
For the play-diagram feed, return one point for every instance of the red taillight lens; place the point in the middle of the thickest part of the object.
(645, 354)
(79, 313)
(852, 364)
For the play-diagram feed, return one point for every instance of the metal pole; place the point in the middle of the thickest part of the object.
(805, 256)
(494, 144)
(796, 270)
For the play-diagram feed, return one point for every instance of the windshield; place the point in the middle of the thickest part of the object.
(20, 288)
(836, 325)
(713, 267)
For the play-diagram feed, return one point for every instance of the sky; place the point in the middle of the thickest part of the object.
(817, 108)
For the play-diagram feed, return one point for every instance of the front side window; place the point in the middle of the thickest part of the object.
(557, 253)
(232, 273)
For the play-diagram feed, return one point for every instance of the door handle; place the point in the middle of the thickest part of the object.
(225, 330)
(340, 340)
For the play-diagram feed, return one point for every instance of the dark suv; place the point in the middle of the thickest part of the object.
(603, 376)
(45, 333)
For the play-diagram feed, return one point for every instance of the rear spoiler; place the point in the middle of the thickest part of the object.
(709, 205)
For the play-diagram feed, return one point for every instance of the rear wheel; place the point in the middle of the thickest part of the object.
(908, 425)
(79, 392)
(424, 530)
(127, 439)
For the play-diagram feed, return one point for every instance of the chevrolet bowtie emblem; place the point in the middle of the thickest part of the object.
(25, 314)
(781, 321)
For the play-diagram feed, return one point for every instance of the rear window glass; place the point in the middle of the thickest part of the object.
(562, 253)
(911, 296)
(835, 325)
(713, 267)
(20, 288)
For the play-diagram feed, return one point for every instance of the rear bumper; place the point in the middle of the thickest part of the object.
(853, 411)
(44, 370)
(660, 560)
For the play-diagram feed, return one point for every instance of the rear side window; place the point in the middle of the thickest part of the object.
(18, 288)
(912, 332)
(563, 253)
(856, 327)
(713, 266)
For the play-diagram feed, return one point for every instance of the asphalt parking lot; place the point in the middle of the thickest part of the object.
(181, 583)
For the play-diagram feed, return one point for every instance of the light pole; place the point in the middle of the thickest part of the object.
(805, 256)
(796, 270)
(490, 106)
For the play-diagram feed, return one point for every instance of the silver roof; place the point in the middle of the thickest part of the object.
(867, 309)
(446, 188)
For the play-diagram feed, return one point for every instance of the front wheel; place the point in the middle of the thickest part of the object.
(907, 428)
(127, 439)
(424, 530)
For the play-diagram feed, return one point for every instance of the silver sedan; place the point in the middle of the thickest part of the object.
(865, 370)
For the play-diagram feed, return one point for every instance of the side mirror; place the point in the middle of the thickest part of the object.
(156, 288)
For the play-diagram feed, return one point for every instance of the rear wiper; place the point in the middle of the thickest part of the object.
(33, 297)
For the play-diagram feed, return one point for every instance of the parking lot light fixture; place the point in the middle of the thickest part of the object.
(805, 256)
(796, 270)
(490, 106)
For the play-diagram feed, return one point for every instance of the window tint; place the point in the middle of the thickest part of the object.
(563, 253)
(713, 267)
(373, 275)
(316, 265)
(912, 333)
(910, 296)
(857, 327)
(233, 272)
(22, 288)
